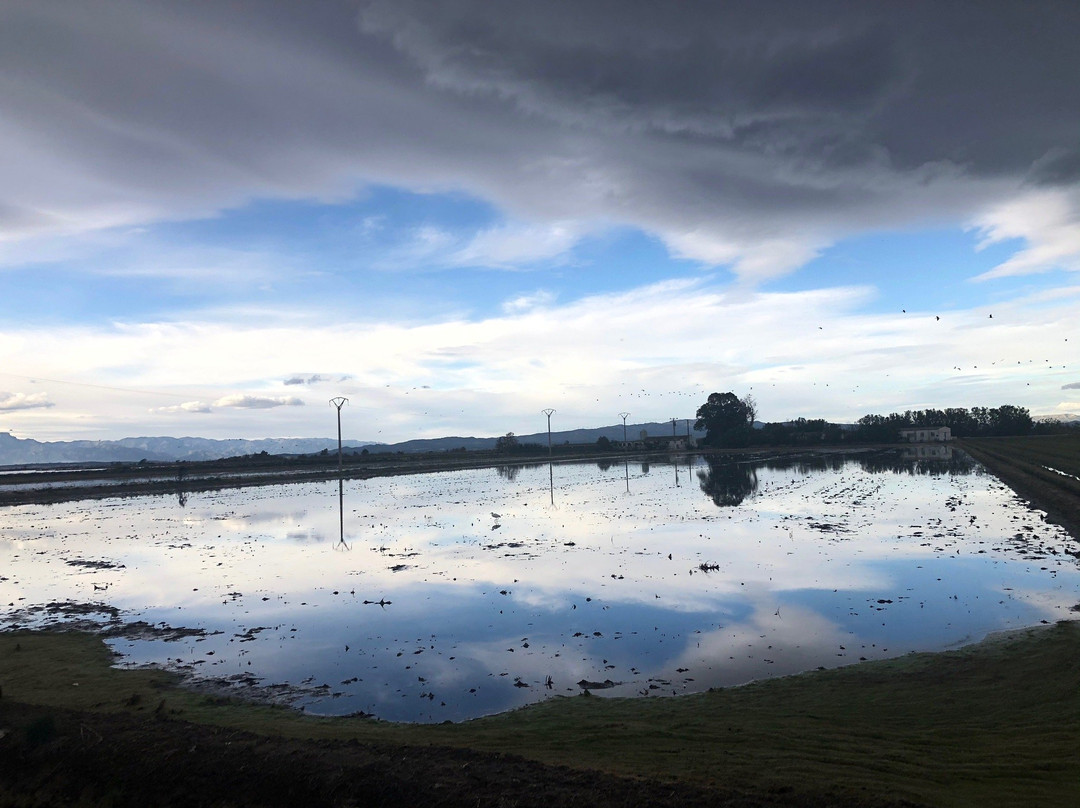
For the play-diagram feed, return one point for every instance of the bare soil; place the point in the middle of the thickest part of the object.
(1044, 470)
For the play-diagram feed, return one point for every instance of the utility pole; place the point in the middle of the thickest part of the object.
(548, 413)
(339, 402)
(624, 416)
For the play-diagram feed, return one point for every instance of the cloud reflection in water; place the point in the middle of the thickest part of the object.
(459, 594)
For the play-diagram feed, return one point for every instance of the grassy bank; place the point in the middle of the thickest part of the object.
(996, 723)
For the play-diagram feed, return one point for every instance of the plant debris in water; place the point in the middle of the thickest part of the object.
(659, 578)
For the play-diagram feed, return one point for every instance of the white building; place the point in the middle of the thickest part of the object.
(926, 434)
(928, 451)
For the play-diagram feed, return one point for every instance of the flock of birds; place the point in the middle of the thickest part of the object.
(695, 394)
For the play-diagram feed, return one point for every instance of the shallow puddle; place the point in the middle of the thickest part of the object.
(458, 594)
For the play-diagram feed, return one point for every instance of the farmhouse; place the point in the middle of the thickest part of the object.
(926, 434)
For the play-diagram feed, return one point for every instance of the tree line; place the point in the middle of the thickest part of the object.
(978, 422)
(729, 421)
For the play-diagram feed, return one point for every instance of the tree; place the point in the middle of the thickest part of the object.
(882, 428)
(1010, 420)
(603, 443)
(727, 484)
(751, 408)
(507, 443)
(726, 419)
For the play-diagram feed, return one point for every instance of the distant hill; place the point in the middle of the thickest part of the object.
(26, 451)
(210, 449)
(18, 451)
(1061, 418)
(614, 432)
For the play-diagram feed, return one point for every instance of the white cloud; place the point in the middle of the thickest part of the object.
(655, 351)
(1049, 222)
(187, 406)
(753, 261)
(510, 246)
(21, 401)
(241, 401)
(250, 402)
(514, 245)
(523, 303)
(420, 248)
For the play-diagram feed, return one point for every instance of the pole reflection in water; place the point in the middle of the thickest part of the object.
(626, 466)
(181, 494)
(341, 545)
(551, 482)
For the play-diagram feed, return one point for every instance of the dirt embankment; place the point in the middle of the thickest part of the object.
(1044, 470)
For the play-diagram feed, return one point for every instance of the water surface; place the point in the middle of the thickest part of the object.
(457, 594)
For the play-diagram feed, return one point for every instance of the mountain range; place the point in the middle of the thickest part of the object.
(27, 451)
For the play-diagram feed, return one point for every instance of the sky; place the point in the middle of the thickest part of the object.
(214, 217)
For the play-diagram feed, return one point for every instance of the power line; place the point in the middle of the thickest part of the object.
(96, 386)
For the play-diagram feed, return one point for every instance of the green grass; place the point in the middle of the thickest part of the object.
(996, 723)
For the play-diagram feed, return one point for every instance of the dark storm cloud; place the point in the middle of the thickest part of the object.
(738, 132)
(691, 70)
(985, 85)
(711, 71)
(1057, 167)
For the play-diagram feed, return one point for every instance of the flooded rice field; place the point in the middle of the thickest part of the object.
(446, 596)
